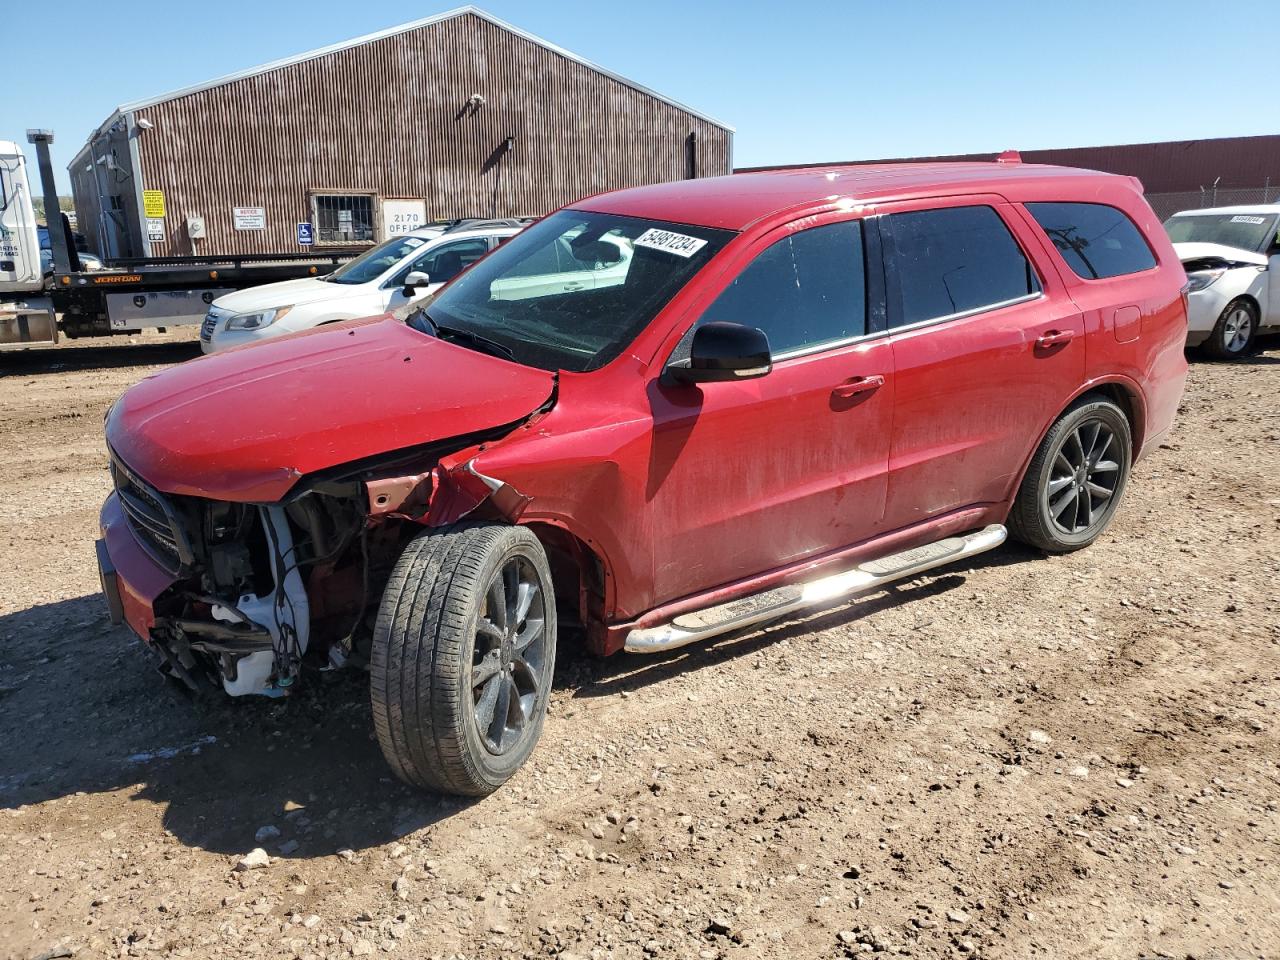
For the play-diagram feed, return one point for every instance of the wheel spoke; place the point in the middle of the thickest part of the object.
(531, 632)
(1094, 429)
(1086, 507)
(501, 710)
(496, 604)
(488, 700)
(1075, 441)
(1104, 466)
(1064, 501)
(489, 630)
(511, 590)
(486, 669)
(521, 716)
(1061, 462)
(1101, 452)
(1057, 486)
(1099, 491)
(528, 592)
(526, 670)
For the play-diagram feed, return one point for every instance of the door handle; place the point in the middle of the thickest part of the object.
(1052, 338)
(571, 286)
(858, 385)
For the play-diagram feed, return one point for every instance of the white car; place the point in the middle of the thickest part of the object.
(1232, 259)
(395, 272)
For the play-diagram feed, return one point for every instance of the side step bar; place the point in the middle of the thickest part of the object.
(780, 601)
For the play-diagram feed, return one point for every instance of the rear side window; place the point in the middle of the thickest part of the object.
(1096, 240)
(803, 291)
(956, 260)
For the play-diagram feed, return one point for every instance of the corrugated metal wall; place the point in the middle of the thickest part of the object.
(390, 117)
(1184, 172)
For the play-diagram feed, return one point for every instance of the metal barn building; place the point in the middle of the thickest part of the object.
(455, 115)
(1176, 174)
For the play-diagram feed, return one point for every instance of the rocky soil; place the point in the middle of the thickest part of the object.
(1026, 756)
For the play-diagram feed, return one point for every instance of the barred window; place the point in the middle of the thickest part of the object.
(343, 217)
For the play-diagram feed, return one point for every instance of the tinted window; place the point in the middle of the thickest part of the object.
(956, 260)
(806, 289)
(1097, 241)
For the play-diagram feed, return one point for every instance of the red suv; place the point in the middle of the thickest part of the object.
(660, 414)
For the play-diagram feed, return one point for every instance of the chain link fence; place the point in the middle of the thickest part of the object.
(1167, 204)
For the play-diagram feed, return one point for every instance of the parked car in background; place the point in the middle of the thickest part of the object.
(88, 261)
(385, 277)
(1232, 259)
(786, 388)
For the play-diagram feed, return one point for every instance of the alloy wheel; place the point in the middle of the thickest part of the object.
(1236, 330)
(509, 662)
(1083, 480)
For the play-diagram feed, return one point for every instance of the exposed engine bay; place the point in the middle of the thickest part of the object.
(262, 590)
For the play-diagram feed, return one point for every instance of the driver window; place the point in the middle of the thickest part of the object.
(805, 290)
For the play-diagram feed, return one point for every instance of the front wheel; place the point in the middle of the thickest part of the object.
(463, 655)
(1234, 332)
(1075, 480)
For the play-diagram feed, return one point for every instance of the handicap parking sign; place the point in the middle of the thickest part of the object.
(305, 235)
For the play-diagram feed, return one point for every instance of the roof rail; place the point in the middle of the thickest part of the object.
(478, 223)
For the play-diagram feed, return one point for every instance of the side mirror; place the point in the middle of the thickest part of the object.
(724, 351)
(414, 280)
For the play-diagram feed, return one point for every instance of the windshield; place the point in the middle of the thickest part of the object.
(1244, 231)
(376, 261)
(572, 291)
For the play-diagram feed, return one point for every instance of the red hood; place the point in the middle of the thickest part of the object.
(246, 424)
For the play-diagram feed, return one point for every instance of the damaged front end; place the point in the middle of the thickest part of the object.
(254, 592)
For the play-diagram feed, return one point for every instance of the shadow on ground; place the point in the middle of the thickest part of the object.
(98, 356)
(83, 710)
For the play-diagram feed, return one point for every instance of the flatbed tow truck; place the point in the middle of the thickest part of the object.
(126, 296)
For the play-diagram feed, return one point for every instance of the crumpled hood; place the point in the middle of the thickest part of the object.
(246, 424)
(286, 293)
(1194, 251)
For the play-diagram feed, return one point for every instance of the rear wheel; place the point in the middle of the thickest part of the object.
(1234, 332)
(1075, 480)
(463, 655)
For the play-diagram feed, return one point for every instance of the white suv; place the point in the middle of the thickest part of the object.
(1232, 259)
(390, 275)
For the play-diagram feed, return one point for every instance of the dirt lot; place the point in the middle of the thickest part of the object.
(1068, 757)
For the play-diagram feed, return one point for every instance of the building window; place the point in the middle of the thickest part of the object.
(343, 217)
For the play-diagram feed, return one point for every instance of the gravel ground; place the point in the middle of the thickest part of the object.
(1026, 756)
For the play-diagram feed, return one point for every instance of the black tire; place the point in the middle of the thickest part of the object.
(1228, 341)
(438, 629)
(1060, 506)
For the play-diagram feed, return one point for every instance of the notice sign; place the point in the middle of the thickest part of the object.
(306, 235)
(403, 215)
(155, 229)
(250, 218)
(153, 203)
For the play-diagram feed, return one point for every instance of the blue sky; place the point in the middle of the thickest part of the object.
(800, 81)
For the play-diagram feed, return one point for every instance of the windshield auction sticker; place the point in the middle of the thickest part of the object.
(1248, 219)
(668, 242)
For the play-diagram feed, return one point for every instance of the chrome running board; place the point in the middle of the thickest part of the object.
(780, 601)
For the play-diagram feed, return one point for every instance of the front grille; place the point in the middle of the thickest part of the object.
(152, 518)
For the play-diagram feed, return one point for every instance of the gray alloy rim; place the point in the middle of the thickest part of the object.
(509, 660)
(1236, 329)
(1083, 479)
